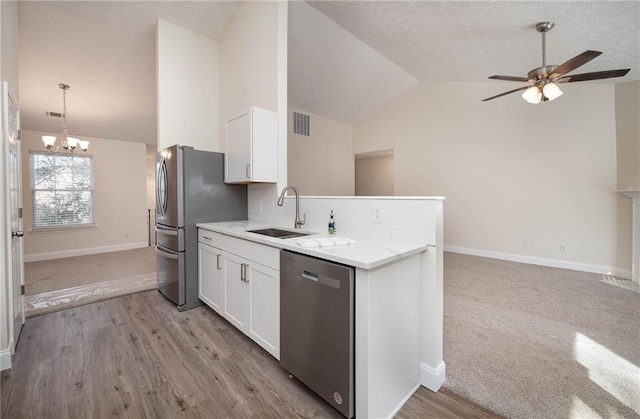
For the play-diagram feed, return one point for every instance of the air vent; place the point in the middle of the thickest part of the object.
(301, 124)
(54, 114)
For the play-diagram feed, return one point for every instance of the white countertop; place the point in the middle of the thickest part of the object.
(365, 254)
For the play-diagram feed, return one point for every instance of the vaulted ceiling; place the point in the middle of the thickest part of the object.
(346, 58)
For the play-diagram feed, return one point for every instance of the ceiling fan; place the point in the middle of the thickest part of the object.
(542, 82)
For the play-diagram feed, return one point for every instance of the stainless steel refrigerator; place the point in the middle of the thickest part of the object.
(190, 189)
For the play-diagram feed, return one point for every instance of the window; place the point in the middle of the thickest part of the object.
(61, 190)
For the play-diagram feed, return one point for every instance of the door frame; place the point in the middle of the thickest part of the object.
(9, 287)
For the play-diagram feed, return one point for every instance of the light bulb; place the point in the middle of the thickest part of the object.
(84, 145)
(532, 95)
(73, 142)
(49, 141)
(551, 91)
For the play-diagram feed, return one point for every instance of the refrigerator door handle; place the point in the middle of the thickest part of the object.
(166, 231)
(161, 188)
(166, 254)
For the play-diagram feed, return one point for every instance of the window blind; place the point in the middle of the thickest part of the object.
(61, 189)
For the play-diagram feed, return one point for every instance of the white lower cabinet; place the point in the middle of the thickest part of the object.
(210, 276)
(236, 292)
(240, 280)
(264, 307)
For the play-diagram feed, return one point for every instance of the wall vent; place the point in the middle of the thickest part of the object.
(54, 114)
(301, 124)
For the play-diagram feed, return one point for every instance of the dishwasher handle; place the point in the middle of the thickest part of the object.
(309, 275)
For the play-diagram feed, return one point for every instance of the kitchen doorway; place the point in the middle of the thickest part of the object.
(375, 173)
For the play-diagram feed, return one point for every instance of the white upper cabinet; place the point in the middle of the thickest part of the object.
(252, 147)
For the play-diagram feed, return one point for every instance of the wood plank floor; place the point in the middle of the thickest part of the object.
(136, 356)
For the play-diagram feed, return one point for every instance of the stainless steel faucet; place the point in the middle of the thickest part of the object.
(299, 221)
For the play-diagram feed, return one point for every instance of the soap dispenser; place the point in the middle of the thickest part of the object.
(332, 224)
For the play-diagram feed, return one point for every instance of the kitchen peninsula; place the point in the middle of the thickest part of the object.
(397, 257)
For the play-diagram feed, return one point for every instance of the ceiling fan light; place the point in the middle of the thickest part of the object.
(552, 91)
(532, 95)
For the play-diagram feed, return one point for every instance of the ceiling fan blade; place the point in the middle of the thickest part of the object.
(597, 75)
(576, 62)
(506, 93)
(510, 78)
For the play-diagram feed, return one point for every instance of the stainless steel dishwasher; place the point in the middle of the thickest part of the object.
(317, 326)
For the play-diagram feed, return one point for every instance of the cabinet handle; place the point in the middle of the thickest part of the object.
(207, 237)
(248, 169)
(243, 272)
(218, 262)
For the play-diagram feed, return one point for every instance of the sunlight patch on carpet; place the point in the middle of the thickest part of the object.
(622, 283)
(611, 372)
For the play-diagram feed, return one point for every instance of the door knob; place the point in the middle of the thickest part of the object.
(17, 234)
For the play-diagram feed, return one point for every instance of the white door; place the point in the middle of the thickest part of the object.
(14, 178)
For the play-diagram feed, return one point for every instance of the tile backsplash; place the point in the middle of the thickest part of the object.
(403, 219)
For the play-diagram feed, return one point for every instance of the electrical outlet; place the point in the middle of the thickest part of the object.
(525, 244)
(126, 235)
(273, 207)
(377, 214)
(563, 248)
(260, 206)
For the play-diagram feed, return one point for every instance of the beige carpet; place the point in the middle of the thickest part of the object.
(57, 274)
(536, 342)
(64, 283)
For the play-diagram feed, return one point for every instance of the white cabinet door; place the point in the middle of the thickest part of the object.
(264, 307)
(244, 290)
(236, 301)
(252, 147)
(210, 277)
(238, 155)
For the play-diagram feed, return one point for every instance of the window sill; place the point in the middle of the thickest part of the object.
(61, 229)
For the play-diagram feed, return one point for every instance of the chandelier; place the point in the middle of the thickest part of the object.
(68, 144)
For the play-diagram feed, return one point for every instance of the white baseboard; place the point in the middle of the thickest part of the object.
(622, 273)
(533, 260)
(82, 252)
(404, 401)
(5, 359)
(432, 378)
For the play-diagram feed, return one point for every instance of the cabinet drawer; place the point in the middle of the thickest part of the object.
(255, 252)
(209, 237)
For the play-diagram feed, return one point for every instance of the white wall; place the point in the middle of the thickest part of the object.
(375, 176)
(253, 71)
(151, 176)
(510, 171)
(120, 207)
(628, 159)
(187, 80)
(628, 135)
(321, 163)
(8, 72)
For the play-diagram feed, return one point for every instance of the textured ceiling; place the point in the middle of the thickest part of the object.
(346, 58)
(106, 52)
(471, 40)
(455, 41)
(332, 73)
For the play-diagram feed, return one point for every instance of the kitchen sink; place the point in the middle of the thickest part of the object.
(278, 233)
